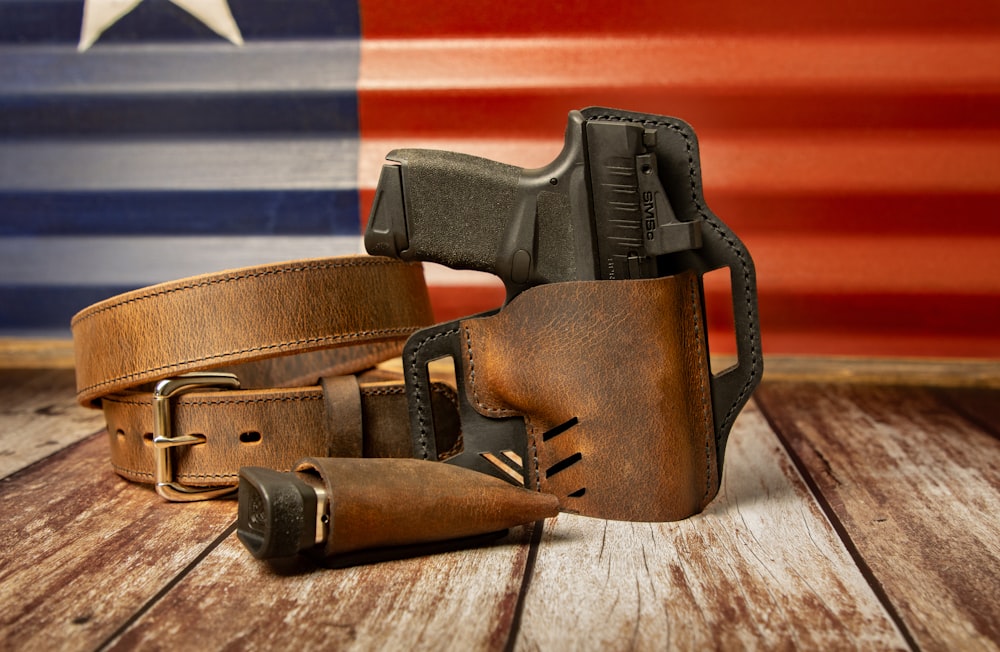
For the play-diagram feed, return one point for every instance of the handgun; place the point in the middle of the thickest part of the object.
(600, 210)
(622, 200)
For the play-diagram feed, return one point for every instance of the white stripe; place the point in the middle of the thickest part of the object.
(244, 163)
(145, 260)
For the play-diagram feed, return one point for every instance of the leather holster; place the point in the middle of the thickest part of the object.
(613, 384)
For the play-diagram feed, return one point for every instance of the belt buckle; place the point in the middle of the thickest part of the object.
(163, 438)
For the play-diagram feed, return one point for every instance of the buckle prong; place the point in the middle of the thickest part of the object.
(163, 437)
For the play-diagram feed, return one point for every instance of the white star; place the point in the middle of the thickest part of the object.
(99, 15)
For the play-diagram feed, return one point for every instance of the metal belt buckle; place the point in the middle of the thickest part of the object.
(164, 439)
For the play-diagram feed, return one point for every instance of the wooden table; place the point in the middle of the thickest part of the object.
(852, 515)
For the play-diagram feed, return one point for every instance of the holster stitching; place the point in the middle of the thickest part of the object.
(705, 400)
(500, 412)
(533, 443)
(693, 173)
(415, 381)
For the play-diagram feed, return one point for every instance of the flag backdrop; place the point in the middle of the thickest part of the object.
(854, 146)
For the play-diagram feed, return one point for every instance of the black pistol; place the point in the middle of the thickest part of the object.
(601, 210)
(623, 200)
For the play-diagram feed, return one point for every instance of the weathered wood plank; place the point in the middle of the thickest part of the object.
(39, 416)
(81, 551)
(981, 406)
(916, 487)
(20, 353)
(760, 568)
(884, 371)
(462, 600)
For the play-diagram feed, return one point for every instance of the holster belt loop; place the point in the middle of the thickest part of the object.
(342, 395)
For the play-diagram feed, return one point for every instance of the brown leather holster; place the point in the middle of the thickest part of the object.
(597, 392)
(612, 381)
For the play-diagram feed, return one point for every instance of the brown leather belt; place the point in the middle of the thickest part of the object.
(260, 366)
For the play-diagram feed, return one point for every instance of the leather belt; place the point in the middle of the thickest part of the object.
(260, 366)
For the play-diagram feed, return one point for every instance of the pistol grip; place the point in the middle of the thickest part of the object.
(528, 227)
(442, 207)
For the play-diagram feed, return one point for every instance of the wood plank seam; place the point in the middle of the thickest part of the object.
(529, 572)
(837, 524)
(13, 475)
(980, 421)
(760, 568)
(90, 547)
(167, 588)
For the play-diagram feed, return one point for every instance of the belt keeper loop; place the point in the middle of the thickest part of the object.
(342, 397)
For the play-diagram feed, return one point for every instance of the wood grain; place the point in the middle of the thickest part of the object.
(761, 568)
(909, 476)
(81, 551)
(916, 488)
(462, 600)
(36, 353)
(911, 372)
(39, 416)
(979, 405)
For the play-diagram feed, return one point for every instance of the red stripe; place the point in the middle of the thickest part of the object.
(461, 18)
(854, 148)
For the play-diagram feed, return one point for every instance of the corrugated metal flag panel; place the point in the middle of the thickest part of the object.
(854, 146)
(164, 150)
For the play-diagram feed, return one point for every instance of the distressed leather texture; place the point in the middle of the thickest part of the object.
(272, 428)
(383, 503)
(302, 338)
(612, 380)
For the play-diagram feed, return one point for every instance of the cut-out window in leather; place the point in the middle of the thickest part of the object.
(563, 464)
(560, 429)
(512, 465)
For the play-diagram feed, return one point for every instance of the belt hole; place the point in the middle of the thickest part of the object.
(147, 439)
(120, 434)
(250, 437)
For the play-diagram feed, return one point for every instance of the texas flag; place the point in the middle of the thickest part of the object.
(852, 146)
(149, 140)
